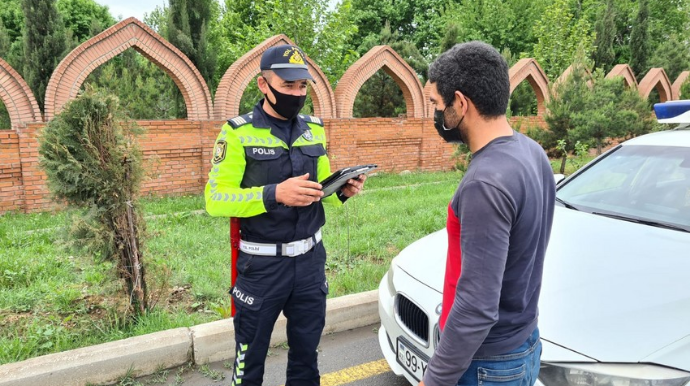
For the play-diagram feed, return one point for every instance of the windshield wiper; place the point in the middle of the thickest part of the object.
(566, 204)
(644, 222)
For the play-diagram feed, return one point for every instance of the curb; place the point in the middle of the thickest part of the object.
(144, 355)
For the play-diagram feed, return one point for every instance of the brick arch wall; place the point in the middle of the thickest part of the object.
(656, 78)
(237, 78)
(428, 107)
(18, 98)
(675, 87)
(530, 70)
(395, 66)
(623, 70)
(73, 70)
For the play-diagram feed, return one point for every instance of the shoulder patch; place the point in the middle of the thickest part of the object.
(219, 152)
(241, 120)
(311, 119)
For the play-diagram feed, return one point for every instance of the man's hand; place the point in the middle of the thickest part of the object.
(298, 191)
(421, 383)
(354, 186)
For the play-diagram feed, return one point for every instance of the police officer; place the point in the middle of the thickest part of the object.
(265, 169)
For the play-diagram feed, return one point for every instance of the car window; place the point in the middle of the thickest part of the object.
(643, 182)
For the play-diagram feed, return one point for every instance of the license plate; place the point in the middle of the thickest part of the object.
(413, 361)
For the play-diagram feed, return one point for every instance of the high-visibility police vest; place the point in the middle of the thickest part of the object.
(249, 161)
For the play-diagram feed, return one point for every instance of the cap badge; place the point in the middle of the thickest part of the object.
(296, 58)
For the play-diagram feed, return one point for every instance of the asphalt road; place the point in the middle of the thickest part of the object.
(350, 358)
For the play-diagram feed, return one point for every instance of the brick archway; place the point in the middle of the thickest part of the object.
(73, 70)
(623, 70)
(656, 79)
(428, 107)
(530, 70)
(395, 66)
(243, 71)
(17, 97)
(675, 87)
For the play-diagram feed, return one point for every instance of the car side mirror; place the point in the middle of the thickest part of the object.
(558, 177)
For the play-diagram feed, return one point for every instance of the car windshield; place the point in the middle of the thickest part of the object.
(646, 184)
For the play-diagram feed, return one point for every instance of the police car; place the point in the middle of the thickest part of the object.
(615, 300)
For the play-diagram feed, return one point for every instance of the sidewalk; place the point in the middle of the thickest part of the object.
(206, 343)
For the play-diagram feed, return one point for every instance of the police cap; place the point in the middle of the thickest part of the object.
(287, 61)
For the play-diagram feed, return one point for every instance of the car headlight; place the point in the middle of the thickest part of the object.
(611, 375)
(389, 275)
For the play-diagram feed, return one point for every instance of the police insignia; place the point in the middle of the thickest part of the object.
(308, 135)
(219, 152)
(296, 58)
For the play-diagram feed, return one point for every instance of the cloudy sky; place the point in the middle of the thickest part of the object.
(127, 8)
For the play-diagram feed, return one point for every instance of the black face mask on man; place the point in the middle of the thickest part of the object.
(450, 135)
(288, 106)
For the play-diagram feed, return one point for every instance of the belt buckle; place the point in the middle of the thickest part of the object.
(299, 247)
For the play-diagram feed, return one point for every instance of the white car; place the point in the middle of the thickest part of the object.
(615, 299)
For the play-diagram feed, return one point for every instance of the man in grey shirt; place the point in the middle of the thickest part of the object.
(504, 205)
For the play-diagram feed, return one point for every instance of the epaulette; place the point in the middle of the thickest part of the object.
(312, 119)
(241, 120)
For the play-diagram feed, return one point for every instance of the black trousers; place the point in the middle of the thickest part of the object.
(266, 286)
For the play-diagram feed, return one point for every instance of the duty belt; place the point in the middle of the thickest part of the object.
(292, 249)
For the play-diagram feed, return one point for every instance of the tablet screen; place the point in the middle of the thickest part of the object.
(336, 180)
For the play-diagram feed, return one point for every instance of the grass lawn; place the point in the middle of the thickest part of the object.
(53, 299)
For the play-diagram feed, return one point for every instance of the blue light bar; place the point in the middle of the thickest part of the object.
(673, 111)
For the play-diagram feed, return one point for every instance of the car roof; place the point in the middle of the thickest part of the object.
(674, 137)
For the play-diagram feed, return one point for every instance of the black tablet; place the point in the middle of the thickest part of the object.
(335, 181)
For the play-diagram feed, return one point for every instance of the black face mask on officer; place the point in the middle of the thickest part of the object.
(450, 135)
(288, 106)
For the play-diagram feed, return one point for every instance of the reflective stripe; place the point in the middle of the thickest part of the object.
(253, 196)
(291, 249)
(239, 121)
(239, 365)
(288, 65)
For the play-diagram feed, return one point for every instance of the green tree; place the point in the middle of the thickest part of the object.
(567, 97)
(5, 41)
(44, 44)
(643, 121)
(158, 20)
(611, 110)
(668, 18)
(605, 27)
(90, 157)
(503, 24)
(13, 19)
(145, 91)
(601, 117)
(672, 55)
(84, 18)
(685, 89)
(639, 41)
(559, 36)
(321, 32)
(417, 20)
(188, 24)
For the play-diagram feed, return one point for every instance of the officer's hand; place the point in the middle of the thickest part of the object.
(298, 191)
(354, 185)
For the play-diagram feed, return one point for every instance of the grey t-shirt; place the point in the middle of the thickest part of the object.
(505, 205)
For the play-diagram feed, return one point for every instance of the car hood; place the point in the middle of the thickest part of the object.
(425, 259)
(613, 291)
